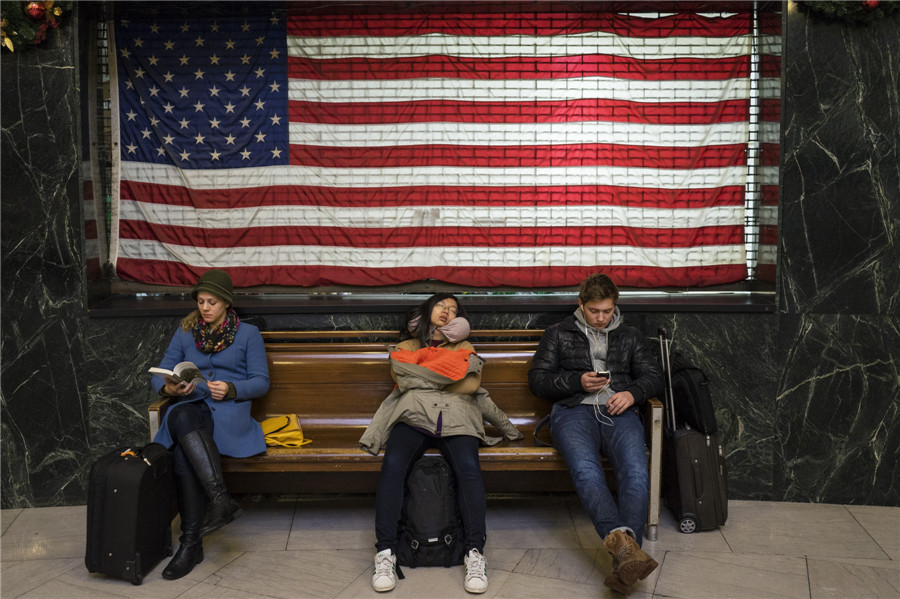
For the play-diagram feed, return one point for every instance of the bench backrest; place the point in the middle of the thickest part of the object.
(341, 384)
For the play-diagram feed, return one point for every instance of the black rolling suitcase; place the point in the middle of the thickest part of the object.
(129, 512)
(694, 481)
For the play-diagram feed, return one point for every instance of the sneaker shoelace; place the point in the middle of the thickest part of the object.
(384, 566)
(475, 565)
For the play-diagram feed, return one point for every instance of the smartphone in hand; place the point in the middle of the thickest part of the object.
(604, 374)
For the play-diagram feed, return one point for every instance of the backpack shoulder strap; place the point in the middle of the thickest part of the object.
(537, 429)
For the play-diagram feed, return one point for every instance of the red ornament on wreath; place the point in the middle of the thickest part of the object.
(870, 4)
(35, 10)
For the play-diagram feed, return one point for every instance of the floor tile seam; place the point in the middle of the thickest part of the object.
(862, 526)
(809, 586)
(885, 564)
(235, 555)
(21, 510)
(76, 563)
(366, 573)
(6, 560)
(224, 585)
(568, 505)
(659, 571)
(747, 553)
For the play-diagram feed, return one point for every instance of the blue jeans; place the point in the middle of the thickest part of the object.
(404, 446)
(581, 439)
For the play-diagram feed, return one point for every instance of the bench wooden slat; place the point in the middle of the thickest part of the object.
(336, 380)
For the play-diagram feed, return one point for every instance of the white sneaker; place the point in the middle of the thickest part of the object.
(384, 577)
(476, 572)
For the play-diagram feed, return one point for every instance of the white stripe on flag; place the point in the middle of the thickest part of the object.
(515, 134)
(768, 215)
(767, 254)
(423, 257)
(501, 46)
(517, 90)
(432, 216)
(434, 175)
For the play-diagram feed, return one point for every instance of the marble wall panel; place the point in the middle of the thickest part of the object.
(837, 410)
(118, 353)
(735, 351)
(840, 202)
(44, 407)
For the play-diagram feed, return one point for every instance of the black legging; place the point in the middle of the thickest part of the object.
(183, 419)
(404, 446)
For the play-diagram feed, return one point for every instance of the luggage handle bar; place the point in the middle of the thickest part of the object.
(664, 349)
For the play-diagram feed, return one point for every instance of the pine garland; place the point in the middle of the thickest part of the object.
(858, 13)
(25, 24)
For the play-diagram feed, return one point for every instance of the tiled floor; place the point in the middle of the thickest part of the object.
(538, 547)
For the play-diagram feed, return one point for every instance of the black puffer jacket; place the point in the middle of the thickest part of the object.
(564, 355)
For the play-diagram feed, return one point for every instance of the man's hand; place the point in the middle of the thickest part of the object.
(619, 402)
(217, 389)
(592, 383)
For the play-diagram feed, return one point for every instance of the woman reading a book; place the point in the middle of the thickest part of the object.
(212, 415)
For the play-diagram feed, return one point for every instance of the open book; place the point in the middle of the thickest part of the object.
(184, 372)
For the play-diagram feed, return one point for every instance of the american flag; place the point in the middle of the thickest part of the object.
(478, 144)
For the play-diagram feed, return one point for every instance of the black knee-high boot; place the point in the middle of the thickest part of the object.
(192, 505)
(203, 454)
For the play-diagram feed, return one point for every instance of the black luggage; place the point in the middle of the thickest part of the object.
(694, 474)
(430, 528)
(129, 512)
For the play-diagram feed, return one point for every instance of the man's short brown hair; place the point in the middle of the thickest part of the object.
(598, 287)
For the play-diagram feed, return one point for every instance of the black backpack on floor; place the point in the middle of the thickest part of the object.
(690, 390)
(430, 527)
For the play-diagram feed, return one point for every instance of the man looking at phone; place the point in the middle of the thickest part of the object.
(596, 369)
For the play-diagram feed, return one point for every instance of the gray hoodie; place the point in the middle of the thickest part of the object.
(598, 340)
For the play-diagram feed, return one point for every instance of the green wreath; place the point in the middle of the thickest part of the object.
(26, 23)
(859, 12)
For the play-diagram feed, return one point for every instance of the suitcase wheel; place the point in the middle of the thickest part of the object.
(687, 525)
(138, 579)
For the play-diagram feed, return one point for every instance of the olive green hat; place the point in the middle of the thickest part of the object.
(216, 282)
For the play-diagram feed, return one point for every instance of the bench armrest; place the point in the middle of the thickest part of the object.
(155, 414)
(653, 423)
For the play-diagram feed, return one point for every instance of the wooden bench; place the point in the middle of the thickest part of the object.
(335, 380)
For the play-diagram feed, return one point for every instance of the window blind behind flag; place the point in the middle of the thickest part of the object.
(470, 144)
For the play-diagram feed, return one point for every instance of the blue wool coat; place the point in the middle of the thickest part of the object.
(242, 363)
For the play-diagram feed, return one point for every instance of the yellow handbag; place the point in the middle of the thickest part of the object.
(283, 431)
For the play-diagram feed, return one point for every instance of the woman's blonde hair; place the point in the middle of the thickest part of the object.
(188, 322)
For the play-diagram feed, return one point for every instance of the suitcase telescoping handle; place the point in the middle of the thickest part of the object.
(664, 357)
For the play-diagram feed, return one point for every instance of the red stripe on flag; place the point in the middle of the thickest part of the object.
(522, 156)
(765, 272)
(769, 195)
(674, 113)
(516, 68)
(172, 273)
(402, 237)
(768, 235)
(300, 195)
(771, 110)
(771, 154)
(770, 66)
(477, 20)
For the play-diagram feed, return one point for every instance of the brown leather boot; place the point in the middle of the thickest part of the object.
(630, 563)
(615, 583)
